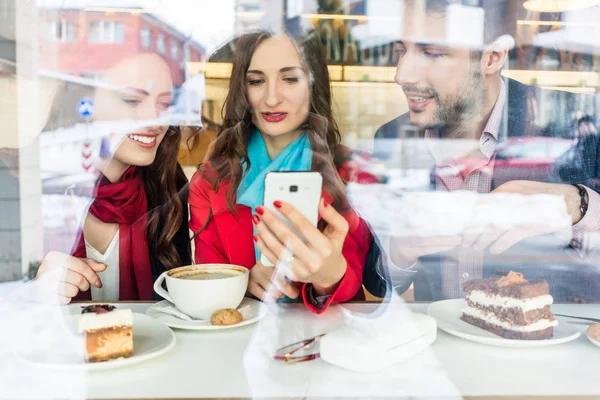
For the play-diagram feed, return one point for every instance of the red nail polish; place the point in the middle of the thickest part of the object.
(325, 204)
(277, 204)
(255, 238)
(255, 219)
(260, 210)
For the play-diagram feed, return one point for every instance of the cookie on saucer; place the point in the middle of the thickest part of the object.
(594, 332)
(226, 316)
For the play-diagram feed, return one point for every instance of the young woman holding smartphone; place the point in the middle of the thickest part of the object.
(278, 117)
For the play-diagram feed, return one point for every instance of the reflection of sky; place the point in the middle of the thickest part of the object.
(208, 22)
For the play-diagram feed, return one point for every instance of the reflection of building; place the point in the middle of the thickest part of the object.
(20, 101)
(10, 227)
(248, 15)
(359, 38)
(86, 42)
(251, 15)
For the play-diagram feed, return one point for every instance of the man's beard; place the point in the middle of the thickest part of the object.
(459, 114)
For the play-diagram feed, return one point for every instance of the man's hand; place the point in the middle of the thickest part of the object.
(569, 192)
(501, 239)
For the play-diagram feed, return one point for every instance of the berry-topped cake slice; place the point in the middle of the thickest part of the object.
(108, 332)
(511, 307)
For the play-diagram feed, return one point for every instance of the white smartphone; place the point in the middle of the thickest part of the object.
(301, 189)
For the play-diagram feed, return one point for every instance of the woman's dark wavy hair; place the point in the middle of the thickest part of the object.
(163, 180)
(230, 151)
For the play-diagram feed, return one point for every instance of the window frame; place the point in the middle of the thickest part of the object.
(146, 44)
(175, 49)
(64, 30)
(161, 43)
(107, 31)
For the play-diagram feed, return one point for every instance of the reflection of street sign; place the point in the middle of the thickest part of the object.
(86, 153)
(85, 108)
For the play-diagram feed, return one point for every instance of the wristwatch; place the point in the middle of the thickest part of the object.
(313, 298)
(584, 199)
(583, 206)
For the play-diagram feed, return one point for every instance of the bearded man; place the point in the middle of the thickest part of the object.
(455, 93)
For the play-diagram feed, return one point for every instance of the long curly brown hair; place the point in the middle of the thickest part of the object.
(231, 146)
(163, 182)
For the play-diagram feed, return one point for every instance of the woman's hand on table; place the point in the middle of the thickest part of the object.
(63, 276)
(318, 261)
(260, 280)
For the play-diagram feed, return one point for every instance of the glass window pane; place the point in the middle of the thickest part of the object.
(459, 140)
(175, 49)
(119, 32)
(145, 38)
(95, 34)
(71, 35)
(161, 45)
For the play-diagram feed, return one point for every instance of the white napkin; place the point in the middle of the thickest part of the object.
(357, 348)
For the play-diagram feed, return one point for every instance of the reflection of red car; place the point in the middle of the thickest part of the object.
(535, 155)
(355, 166)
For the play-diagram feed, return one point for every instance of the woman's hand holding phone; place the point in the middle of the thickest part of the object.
(318, 261)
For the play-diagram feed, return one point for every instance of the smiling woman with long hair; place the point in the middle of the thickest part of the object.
(278, 116)
(136, 225)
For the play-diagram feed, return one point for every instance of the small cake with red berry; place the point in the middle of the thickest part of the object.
(108, 332)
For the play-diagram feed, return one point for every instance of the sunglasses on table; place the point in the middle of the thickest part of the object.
(304, 350)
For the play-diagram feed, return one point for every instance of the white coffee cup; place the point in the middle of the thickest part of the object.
(200, 290)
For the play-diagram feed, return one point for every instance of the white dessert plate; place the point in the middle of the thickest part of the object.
(150, 340)
(251, 310)
(596, 342)
(448, 312)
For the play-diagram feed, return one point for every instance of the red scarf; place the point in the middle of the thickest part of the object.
(125, 203)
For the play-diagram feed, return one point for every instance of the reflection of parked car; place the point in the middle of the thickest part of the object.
(535, 155)
(358, 167)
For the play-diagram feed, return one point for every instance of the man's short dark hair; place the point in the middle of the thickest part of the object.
(586, 119)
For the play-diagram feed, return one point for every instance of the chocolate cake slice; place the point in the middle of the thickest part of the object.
(511, 307)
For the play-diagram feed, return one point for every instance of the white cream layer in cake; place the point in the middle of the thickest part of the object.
(491, 318)
(483, 299)
(93, 321)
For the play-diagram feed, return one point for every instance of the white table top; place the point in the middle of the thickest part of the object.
(217, 364)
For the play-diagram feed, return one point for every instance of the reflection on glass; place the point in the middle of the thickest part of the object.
(463, 135)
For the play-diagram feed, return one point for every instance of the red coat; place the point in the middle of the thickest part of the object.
(227, 238)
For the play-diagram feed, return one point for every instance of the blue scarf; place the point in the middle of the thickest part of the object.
(297, 156)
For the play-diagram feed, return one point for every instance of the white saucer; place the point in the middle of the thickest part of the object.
(594, 341)
(150, 339)
(252, 312)
(448, 312)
